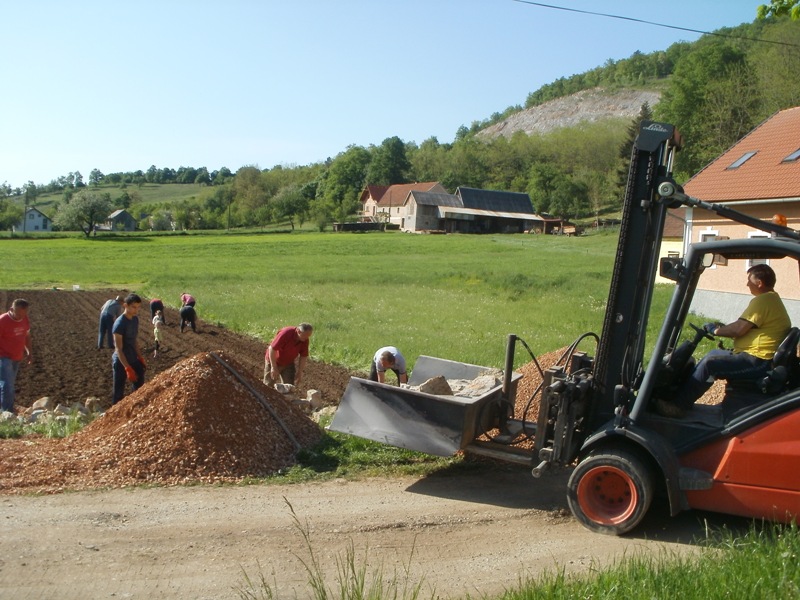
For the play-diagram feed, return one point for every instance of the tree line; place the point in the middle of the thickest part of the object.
(715, 90)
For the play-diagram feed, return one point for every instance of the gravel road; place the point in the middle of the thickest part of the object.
(461, 534)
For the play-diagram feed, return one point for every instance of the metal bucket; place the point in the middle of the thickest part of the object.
(406, 418)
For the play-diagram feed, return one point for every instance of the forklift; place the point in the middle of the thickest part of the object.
(597, 413)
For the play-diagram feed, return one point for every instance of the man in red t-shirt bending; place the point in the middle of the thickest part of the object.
(287, 355)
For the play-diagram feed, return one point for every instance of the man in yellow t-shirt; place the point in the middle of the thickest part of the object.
(756, 334)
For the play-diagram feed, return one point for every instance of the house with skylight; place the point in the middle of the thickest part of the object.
(759, 176)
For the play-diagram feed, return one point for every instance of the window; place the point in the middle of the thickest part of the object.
(745, 157)
(709, 235)
(793, 156)
(751, 262)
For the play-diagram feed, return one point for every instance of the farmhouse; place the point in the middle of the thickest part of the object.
(385, 203)
(33, 220)
(469, 210)
(759, 176)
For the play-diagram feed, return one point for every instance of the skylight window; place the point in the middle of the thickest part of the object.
(745, 157)
(793, 156)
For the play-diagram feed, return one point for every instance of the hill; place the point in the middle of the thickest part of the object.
(585, 106)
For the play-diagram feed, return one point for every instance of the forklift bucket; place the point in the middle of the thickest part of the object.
(407, 418)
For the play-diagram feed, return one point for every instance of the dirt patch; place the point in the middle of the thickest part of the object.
(68, 367)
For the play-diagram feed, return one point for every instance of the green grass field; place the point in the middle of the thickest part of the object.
(452, 296)
(149, 193)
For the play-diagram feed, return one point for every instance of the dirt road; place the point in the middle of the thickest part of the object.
(462, 534)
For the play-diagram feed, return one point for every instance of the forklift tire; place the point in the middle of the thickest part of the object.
(610, 491)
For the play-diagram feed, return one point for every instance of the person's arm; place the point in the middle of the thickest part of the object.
(29, 347)
(118, 347)
(403, 378)
(734, 330)
(273, 365)
(381, 376)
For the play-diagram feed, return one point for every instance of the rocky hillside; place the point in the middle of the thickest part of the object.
(589, 105)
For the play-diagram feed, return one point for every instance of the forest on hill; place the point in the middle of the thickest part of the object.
(714, 90)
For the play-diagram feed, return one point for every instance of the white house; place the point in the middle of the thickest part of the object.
(34, 220)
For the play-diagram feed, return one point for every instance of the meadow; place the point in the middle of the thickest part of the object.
(453, 296)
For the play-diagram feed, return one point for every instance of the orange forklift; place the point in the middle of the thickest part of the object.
(597, 414)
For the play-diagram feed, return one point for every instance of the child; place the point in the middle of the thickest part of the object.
(158, 321)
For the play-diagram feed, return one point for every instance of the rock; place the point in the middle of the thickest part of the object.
(284, 388)
(436, 385)
(479, 386)
(37, 414)
(93, 404)
(60, 409)
(44, 403)
(315, 398)
(7, 416)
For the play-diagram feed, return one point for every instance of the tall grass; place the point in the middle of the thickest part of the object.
(762, 564)
(454, 296)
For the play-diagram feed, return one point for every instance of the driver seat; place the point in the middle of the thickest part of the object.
(785, 371)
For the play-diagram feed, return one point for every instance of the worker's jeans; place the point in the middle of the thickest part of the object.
(104, 331)
(121, 377)
(8, 378)
(721, 364)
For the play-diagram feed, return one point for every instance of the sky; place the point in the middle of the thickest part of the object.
(120, 86)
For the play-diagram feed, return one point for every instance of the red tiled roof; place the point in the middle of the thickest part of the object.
(396, 194)
(375, 192)
(764, 175)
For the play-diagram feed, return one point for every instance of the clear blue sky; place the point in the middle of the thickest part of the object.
(119, 86)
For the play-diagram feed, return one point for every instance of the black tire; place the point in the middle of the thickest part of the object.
(610, 491)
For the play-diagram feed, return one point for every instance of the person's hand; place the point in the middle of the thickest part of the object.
(144, 364)
(297, 379)
(131, 374)
(711, 327)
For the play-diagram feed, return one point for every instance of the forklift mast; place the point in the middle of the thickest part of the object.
(621, 348)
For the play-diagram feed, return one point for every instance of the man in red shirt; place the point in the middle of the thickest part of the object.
(15, 344)
(281, 362)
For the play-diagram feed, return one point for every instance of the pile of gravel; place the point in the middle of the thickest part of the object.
(196, 422)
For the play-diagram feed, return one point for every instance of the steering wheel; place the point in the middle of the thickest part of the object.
(702, 332)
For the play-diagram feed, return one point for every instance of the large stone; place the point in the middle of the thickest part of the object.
(284, 388)
(92, 404)
(7, 416)
(437, 386)
(315, 398)
(44, 403)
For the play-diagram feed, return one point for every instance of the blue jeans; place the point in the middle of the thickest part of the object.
(106, 325)
(721, 364)
(724, 364)
(8, 377)
(121, 377)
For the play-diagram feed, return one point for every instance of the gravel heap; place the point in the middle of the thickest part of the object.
(195, 422)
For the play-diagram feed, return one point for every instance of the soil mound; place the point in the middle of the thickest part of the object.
(203, 420)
